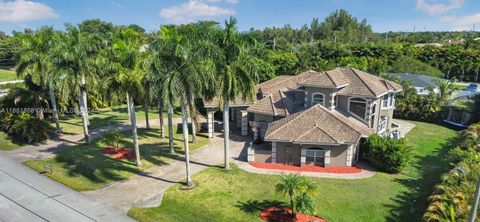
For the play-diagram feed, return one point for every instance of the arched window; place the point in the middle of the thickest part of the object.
(358, 107)
(318, 98)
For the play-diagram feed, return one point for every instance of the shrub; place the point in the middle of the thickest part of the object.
(112, 138)
(31, 129)
(388, 155)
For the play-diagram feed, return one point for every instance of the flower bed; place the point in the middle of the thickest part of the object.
(346, 170)
(118, 152)
(285, 215)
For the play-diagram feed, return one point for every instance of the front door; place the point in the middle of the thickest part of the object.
(289, 155)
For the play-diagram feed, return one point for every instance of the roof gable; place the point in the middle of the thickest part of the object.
(316, 124)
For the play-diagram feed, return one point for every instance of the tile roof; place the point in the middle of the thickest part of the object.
(317, 124)
(361, 83)
(349, 81)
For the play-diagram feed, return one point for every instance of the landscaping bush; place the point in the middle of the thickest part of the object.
(112, 138)
(31, 129)
(388, 155)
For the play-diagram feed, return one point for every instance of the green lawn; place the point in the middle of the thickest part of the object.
(238, 195)
(8, 143)
(7, 75)
(84, 167)
(105, 117)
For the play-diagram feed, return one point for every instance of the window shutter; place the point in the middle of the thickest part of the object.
(349, 155)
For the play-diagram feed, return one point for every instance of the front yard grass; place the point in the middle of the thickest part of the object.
(7, 75)
(238, 195)
(7, 142)
(83, 167)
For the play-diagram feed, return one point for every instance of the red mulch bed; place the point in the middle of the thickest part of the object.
(118, 152)
(285, 215)
(318, 169)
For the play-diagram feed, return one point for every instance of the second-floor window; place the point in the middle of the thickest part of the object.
(388, 100)
(358, 107)
(318, 98)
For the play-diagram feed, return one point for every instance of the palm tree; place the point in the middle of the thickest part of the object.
(289, 186)
(236, 75)
(156, 76)
(36, 61)
(179, 61)
(75, 56)
(446, 90)
(126, 61)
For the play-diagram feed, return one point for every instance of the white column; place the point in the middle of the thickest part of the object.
(332, 100)
(303, 157)
(239, 118)
(250, 153)
(274, 152)
(244, 115)
(210, 123)
(327, 158)
(349, 155)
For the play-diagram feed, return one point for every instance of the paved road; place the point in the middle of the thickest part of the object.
(26, 195)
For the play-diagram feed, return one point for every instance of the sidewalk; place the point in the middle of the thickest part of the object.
(146, 189)
(26, 195)
(48, 149)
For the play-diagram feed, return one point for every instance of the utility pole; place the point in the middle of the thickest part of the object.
(274, 43)
(473, 211)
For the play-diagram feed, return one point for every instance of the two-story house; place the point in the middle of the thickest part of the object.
(314, 118)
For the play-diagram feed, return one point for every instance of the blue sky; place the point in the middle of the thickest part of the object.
(383, 15)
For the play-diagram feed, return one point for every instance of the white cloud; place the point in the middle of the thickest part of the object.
(466, 20)
(22, 10)
(192, 10)
(438, 8)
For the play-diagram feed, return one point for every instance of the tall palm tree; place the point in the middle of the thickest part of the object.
(156, 75)
(36, 61)
(179, 62)
(75, 57)
(127, 62)
(236, 75)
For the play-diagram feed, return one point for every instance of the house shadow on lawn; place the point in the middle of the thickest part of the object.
(420, 178)
(255, 206)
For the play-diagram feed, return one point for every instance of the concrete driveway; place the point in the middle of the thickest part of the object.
(26, 195)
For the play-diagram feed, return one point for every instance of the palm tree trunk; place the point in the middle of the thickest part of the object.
(131, 107)
(54, 107)
(147, 120)
(192, 120)
(170, 130)
(160, 114)
(128, 104)
(83, 108)
(226, 131)
(84, 97)
(185, 142)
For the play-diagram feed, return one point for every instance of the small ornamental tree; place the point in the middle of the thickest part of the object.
(112, 138)
(388, 155)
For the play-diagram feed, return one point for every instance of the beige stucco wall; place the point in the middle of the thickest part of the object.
(338, 154)
(325, 91)
(262, 117)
